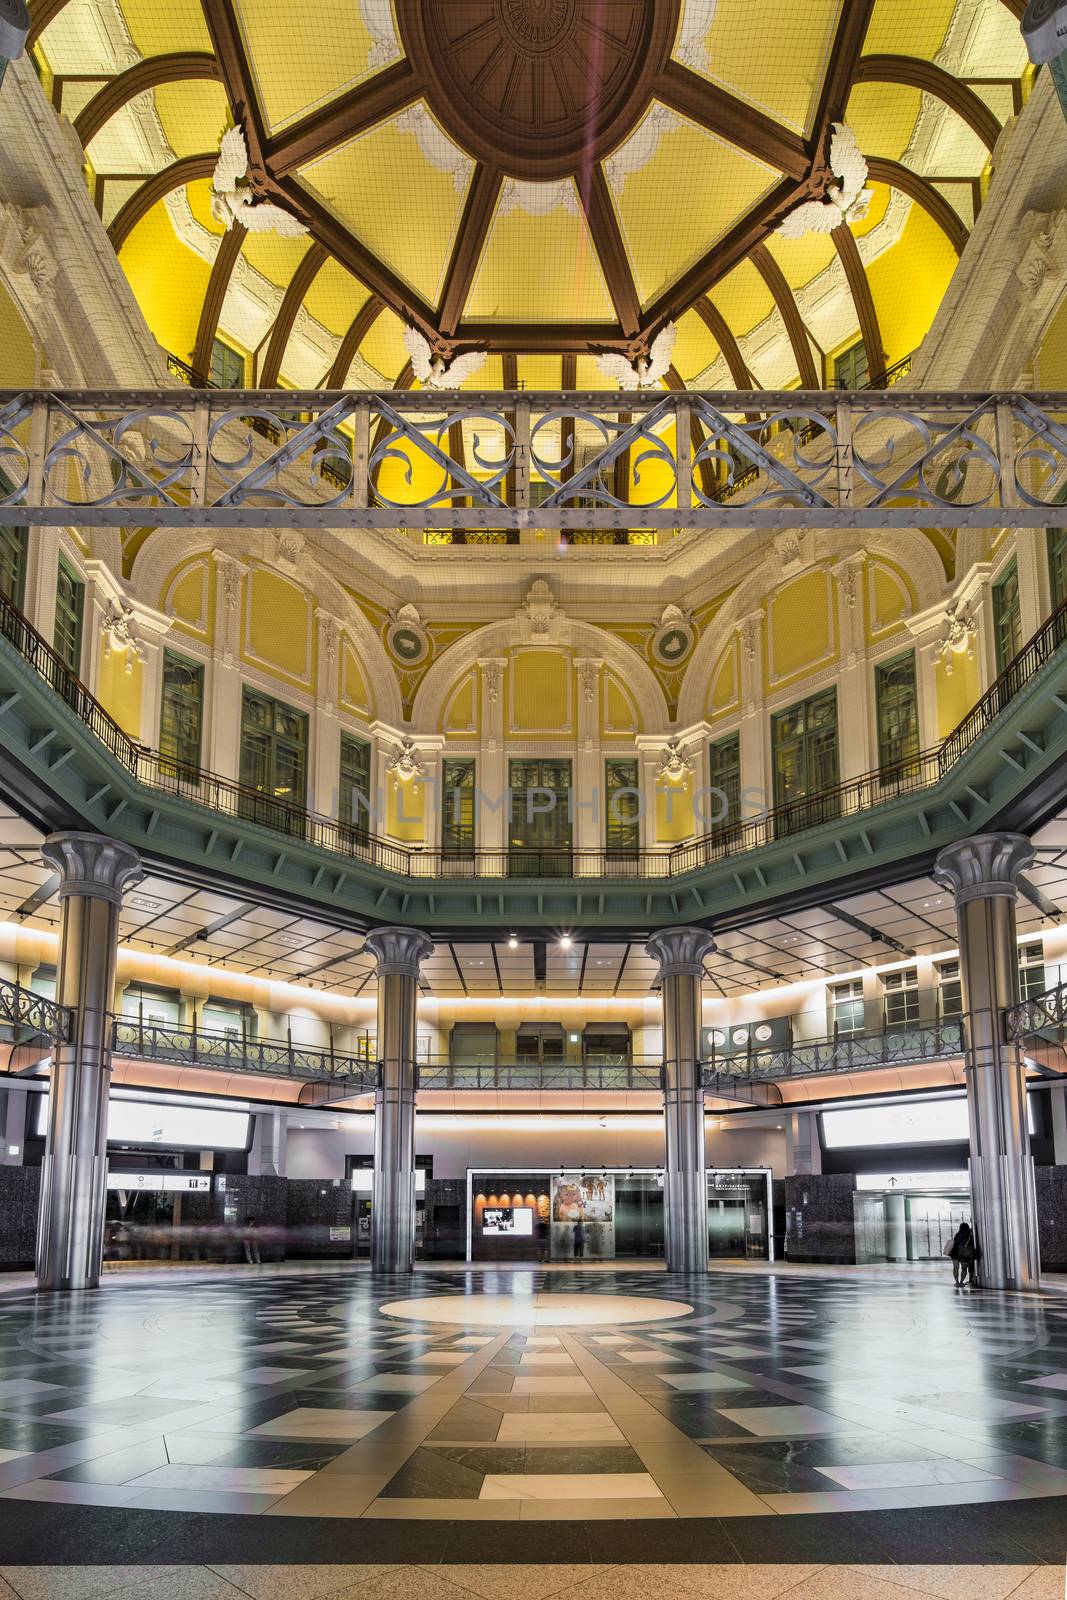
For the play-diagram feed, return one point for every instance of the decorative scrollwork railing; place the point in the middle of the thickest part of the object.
(877, 457)
(1042, 1016)
(31, 1016)
(860, 1052)
(642, 1073)
(223, 1052)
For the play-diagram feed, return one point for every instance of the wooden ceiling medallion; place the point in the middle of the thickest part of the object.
(539, 88)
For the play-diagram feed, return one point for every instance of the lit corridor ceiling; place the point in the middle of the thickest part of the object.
(540, 177)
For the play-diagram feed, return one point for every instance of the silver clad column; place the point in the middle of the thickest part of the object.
(94, 872)
(399, 953)
(982, 873)
(680, 953)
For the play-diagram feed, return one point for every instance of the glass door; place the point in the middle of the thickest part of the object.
(540, 832)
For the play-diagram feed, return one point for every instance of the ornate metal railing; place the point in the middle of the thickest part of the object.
(645, 1072)
(275, 1058)
(1038, 1017)
(1016, 675)
(31, 1016)
(733, 837)
(860, 1052)
(284, 458)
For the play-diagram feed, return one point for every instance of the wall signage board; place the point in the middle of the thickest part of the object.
(340, 1235)
(587, 1198)
(161, 1182)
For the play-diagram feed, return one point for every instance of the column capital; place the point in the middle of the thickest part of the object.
(680, 951)
(92, 864)
(399, 952)
(987, 865)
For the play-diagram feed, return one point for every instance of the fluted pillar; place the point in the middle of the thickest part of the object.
(399, 953)
(680, 953)
(94, 872)
(982, 873)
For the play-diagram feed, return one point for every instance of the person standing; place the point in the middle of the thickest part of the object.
(579, 1240)
(964, 1254)
(251, 1242)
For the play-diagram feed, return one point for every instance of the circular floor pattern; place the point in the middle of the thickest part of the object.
(536, 1310)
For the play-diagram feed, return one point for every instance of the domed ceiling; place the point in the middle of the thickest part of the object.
(540, 177)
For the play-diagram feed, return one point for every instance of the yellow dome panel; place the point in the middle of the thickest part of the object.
(539, 263)
(334, 297)
(910, 27)
(156, 30)
(802, 259)
(194, 115)
(743, 299)
(651, 178)
(400, 188)
(169, 281)
(774, 62)
(305, 56)
(276, 258)
(694, 348)
(384, 346)
(908, 283)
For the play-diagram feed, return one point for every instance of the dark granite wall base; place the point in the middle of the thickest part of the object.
(261, 1197)
(444, 1234)
(819, 1221)
(20, 1189)
(317, 1208)
(1052, 1217)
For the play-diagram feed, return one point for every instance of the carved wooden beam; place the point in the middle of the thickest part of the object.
(299, 284)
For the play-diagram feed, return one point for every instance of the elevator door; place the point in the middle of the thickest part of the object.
(726, 1226)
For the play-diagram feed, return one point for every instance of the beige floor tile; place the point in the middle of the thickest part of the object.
(406, 1583)
(297, 1583)
(78, 1583)
(592, 1510)
(508, 1582)
(710, 1495)
(566, 1427)
(546, 1385)
(182, 1583)
(569, 1485)
(852, 1583)
(344, 1495)
(961, 1583)
(1046, 1583)
(715, 1582)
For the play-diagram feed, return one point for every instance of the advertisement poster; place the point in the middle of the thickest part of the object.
(583, 1216)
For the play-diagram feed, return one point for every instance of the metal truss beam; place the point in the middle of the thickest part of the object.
(777, 459)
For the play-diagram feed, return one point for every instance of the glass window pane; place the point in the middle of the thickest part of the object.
(897, 701)
(12, 560)
(273, 761)
(70, 603)
(622, 806)
(181, 717)
(1007, 617)
(457, 806)
(353, 797)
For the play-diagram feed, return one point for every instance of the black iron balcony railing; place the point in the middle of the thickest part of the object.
(1042, 1016)
(906, 1045)
(25, 1015)
(643, 1072)
(225, 1052)
(910, 775)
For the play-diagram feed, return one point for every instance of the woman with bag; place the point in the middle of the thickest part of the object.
(964, 1253)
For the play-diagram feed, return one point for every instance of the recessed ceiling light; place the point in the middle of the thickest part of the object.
(565, 941)
(513, 943)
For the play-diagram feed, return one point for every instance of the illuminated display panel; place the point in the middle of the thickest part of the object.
(909, 1122)
(508, 1219)
(153, 1122)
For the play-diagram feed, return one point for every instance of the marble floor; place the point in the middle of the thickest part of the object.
(721, 1418)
